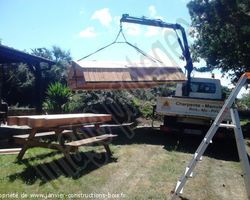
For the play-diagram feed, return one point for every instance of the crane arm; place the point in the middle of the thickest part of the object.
(159, 23)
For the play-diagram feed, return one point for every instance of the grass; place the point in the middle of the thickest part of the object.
(146, 166)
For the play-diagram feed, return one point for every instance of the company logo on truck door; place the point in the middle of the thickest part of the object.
(212, 106)
(188, 104)
(198, 107)
(166, 104)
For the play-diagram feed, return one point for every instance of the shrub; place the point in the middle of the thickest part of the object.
(118, 103)
(57, 99)
(124, 105)
(244, 102)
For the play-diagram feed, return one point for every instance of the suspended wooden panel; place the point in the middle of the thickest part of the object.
(95, 75)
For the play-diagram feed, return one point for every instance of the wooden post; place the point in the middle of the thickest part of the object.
(26, 145)
(38, 84)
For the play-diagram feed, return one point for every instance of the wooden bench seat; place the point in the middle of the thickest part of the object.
(7, 132)
(42, 134)
(72, 126)
(10, 151)
(100, 140)
(92, 140)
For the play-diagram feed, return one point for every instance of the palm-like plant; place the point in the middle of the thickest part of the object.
(58, 97)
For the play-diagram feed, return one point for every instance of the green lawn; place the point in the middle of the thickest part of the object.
(144, 167)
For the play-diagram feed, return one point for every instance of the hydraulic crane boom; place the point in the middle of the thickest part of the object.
(184, 46)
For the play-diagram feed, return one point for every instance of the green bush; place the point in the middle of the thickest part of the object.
(146, 109)
(124, 105)
(244, 102)
(118, 103)
(57, 98)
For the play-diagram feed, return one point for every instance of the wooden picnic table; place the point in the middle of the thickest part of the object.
(60, 124)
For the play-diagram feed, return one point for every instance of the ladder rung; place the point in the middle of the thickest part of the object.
(195, 157)
(227, 125)
(191, 174)
(205, 140)
(177, 185)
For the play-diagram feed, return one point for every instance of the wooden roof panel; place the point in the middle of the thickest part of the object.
(89, 75)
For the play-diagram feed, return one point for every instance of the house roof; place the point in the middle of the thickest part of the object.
(11, 55)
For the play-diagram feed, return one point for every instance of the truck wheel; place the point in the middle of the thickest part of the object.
(170, 125)
(169, 121)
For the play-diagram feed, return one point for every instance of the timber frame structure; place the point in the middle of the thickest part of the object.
(9, 56)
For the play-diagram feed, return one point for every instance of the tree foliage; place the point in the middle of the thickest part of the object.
(221, 30)
(244, 102)
(57, 72)
(124, 105)
(17, 84)
(118, 103)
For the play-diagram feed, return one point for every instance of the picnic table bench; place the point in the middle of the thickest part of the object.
(40, 126)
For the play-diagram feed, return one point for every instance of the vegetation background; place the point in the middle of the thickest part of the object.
(221, 33)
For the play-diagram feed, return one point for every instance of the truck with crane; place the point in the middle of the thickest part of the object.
(197, 101)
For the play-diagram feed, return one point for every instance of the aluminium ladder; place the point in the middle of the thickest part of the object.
(243, 156)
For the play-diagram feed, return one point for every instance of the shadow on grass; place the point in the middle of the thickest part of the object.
(183, 198)
(76, 166)
(223, 149)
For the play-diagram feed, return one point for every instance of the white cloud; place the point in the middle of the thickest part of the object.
(103, 16)
(132, 29)
(88, 32)
(152, 11)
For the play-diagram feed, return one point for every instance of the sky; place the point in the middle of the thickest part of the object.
(83, 26)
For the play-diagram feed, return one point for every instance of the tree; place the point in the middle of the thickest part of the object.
(42, 52)
(245, 101)
(221, 30)
(57, 72)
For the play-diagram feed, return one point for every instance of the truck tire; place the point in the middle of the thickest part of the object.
(169, 121)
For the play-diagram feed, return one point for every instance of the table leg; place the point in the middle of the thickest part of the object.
(97, 126)
(98, 129)
(109, 153)
(26, 145)
(59, 135)
(75, 136)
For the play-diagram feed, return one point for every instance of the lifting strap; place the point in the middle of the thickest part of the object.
(125, 42)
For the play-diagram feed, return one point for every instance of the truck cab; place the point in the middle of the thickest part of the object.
(203, 88)
(195, 112)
